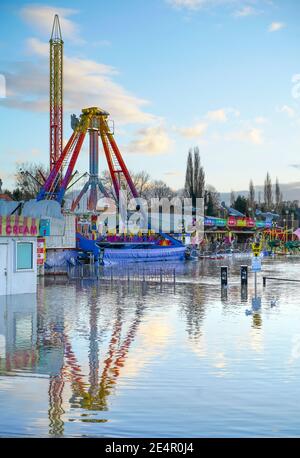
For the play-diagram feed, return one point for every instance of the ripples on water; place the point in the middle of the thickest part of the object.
(125, 359)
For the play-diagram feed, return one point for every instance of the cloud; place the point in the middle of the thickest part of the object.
(287, 110)
(198, 4)
(189, 4)
(241, 10)
(41, 18)
(86, 83)
(260, 120)
(295, 166)
(217, 115)
(35, 46)
(195, 131)
(252, 135)
(276, 26)
(246, 11)
(221, 115)
(152, 140)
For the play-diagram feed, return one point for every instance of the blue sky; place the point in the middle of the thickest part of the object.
(172, 73)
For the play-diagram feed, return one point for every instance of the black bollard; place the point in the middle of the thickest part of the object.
(224, 277)
(224, 294)
(244, 275)
(244, 293)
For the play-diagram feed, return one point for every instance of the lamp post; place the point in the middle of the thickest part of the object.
(287, 225)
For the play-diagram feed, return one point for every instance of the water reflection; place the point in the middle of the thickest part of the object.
(18, 330)
(129, 354)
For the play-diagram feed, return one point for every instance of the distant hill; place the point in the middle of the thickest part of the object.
(290, 191)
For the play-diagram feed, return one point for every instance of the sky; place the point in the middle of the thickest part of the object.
(223, 75)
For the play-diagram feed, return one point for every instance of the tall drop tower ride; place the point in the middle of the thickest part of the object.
(56, 93)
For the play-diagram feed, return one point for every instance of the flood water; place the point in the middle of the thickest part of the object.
(116, 358)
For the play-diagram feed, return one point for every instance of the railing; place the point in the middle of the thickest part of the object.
(278, 279)
(122, 273)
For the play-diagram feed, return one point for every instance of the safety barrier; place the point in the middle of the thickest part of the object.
(111, 274)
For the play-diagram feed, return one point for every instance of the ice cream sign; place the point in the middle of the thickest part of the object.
(20, 226)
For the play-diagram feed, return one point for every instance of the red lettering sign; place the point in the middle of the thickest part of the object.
(231, 221)
(18, 226)
(33, 230)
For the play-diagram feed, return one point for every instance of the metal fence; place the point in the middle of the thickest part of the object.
(122, 273)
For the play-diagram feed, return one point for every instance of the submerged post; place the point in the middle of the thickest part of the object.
(244, 275)
(224, 276)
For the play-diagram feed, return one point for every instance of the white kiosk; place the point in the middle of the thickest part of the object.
(18, 255)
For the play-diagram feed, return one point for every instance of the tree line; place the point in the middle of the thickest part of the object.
(272, 200)
(30, 176)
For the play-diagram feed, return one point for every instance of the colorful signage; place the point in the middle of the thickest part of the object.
(210, 222)
(221, 222)
(241, 222)
(256, 264)
(256, 248)
(41, 251)
(44, 227)
(20, 226)
(233, 221)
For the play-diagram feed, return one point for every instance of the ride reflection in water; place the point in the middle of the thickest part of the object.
(119, 358)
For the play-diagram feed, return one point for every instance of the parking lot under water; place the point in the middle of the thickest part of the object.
(124, 358)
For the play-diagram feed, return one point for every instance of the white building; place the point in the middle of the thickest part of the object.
(18, 255)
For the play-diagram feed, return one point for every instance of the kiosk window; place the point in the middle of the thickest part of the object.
(24, 255)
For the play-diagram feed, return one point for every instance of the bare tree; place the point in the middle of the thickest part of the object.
(160, 189)
(278, 195)
(232, 198)
(141, 181)
(212, 201)
(268, 193)
(189, 176)
(251, 197)
(195, 176)
(28, 178)
(199, 175)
